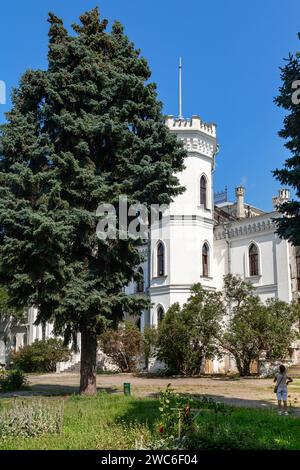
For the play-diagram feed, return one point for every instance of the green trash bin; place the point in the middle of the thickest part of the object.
(127, 390)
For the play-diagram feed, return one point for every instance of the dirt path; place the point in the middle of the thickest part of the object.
(242, 392)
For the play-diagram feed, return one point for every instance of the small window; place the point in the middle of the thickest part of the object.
(160, 314)
(203, 191)
(205, 255)
(160, 260)
(253, 260)
(298, 269)
(140, 283)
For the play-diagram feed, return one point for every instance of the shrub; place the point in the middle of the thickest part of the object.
(123, 346)
(187, 335)
(41, 356)
(12, 380)
(177, 412)
(31, 419)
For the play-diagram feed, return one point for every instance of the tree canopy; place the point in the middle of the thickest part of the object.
(288, 99)
(83, 132)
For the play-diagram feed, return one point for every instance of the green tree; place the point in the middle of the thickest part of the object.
(253, 327)
(289, 223)
(7, 311)
(83, 132)
(123, 346)
(173, 340)
(187, 336)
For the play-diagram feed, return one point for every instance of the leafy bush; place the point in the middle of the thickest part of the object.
(123, 346)
(12, 380)
(178, 412)
(41, 356)
(188, 335)
(208, 425)
(31, 419)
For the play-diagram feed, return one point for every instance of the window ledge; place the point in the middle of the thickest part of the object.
(160, 277)
(206, 209)
(208, 278)
(254, 278)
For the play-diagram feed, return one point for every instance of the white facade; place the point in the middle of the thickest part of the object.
(189, 225)
(193, 222)
(228, 230)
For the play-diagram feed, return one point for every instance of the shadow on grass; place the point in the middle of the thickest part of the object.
(142, 411)
(50, 390)
(238, 402)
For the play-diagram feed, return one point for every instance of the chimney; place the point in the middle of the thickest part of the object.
(240, 197)
(283, 196)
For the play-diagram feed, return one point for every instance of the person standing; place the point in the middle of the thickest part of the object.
(282, 380)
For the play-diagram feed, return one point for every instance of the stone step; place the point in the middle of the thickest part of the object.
(294, 370)
(73, 368)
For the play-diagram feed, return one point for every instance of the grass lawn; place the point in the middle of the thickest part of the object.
(113, 421)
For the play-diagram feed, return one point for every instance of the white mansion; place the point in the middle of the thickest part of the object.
(200, 240)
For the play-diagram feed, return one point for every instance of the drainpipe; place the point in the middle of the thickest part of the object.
(149, 269)
(225, 225)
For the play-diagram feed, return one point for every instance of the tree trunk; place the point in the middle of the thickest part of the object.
(88, 363)
(238, 364)
(245, 372)
(43, 331)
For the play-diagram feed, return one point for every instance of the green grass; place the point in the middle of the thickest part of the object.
(249, 428)
(114, 421)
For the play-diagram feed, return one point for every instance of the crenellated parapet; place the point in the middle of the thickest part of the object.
(197, 135)
(195, 123)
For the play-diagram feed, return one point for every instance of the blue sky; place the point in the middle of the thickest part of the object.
(231, 52)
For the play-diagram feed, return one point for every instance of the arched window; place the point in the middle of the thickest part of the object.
(205, 257)
(160, 314)
(160, 259)
(140, 283)
(253, 260)
(203, 191)
(298, 267)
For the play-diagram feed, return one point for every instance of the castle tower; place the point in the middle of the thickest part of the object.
(182, 242)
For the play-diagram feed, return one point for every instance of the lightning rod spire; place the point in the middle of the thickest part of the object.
(180, 91)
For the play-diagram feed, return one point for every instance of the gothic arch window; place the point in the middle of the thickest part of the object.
(298, 267)
(160, 314)
(160, 259)
(203, 191)
(253, 260)
(140, 283)
(205, 260)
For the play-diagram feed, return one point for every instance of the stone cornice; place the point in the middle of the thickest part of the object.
(246, 227)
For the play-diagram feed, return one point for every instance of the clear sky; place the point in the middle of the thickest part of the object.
(231, 52)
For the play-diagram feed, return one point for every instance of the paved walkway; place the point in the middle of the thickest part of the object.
(241, 392)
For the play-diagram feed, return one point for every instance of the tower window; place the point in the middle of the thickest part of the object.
(253, 260)
(160, 314)
(205, 256)
(203, 191)
(140, 283)
(160, 260)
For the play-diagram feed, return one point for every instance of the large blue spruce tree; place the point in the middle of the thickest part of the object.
(85, 131)
(288, 99)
